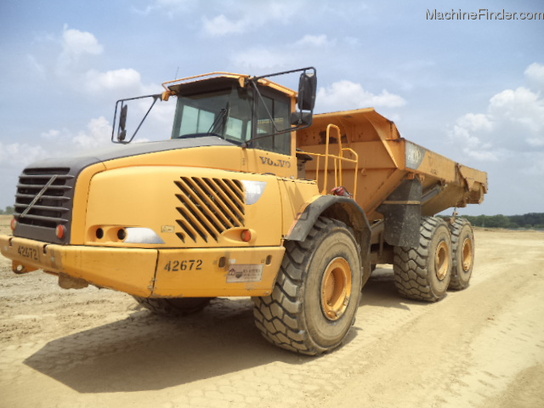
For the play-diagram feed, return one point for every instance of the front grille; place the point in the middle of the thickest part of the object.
(44, 197)
(208, 207)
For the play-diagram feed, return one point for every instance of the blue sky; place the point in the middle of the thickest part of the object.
(472, 90)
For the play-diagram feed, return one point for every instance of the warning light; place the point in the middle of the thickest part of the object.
(246, 235)
(60, 231)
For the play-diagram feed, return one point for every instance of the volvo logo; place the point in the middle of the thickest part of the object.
(276, 163)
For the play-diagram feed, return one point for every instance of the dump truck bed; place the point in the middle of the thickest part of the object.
(384, 161)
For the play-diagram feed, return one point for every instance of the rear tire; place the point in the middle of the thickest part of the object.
(462, 242)
(424, 273)
(316, 295)
(173, 306)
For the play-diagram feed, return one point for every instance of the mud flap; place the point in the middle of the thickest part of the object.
(402, 214)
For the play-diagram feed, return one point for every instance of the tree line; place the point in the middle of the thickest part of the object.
(8, 210)
(525, 221)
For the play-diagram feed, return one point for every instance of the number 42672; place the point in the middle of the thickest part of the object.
(186, 265)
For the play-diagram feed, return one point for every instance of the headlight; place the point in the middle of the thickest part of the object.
(254, 190)
(142, 236)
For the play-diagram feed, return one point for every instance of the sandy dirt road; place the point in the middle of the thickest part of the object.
(482, 347)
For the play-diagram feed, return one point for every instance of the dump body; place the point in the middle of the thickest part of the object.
(385, 160)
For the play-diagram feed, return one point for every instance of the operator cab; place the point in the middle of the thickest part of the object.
(252, 112)
(241, 115)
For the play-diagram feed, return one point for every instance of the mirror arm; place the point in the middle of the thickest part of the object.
(121, 126)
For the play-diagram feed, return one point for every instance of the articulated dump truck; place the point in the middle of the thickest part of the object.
(252, 195)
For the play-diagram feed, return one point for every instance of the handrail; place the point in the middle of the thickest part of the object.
(338, 161)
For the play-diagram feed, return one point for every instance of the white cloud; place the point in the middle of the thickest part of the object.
(350, 95)
(16, 155)
(259, 59)
(315, 41)
(56, 135)
(73, 59)
(120, 79)
(98, 133)
(75, 69)
(519, 105)
(171, 8)
(75, 43)
(511, 129)
(59, 143)
(249, 16)
(535, 74)
(475, 122)
(471, 133)
(221, 25)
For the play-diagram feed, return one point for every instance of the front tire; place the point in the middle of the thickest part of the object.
(173, 306)
(316, 295)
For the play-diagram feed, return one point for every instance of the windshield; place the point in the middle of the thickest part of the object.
(225, 113)
(228, 113)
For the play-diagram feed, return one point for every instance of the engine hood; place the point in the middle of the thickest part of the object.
(86, 159)
(45, 192)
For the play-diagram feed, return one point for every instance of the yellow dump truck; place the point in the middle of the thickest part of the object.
(252, 195)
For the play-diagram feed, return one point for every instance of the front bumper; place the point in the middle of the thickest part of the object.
(205, 272)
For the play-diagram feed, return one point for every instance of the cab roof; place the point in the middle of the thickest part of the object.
(191, 84)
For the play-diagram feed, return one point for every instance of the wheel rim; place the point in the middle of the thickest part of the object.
(442, 261)
(336, 288)
(467, 254)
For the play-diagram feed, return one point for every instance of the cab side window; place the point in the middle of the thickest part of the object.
(273, 116)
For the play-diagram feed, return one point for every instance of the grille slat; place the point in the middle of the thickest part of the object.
(54, 220)
(30, 197)
(191, 226)
(234, 202)
(225, 213)
(219, 217)
(40, 208)
(43, 197)
(40, 186)
(190, 213)
(208, 207)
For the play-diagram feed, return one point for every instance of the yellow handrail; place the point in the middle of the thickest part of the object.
(338, 161)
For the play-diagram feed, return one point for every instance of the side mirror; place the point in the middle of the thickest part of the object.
(122, 132)
(301, 119)
(306, 90)
(120, 118)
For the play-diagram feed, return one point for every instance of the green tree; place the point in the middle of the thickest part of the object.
(8, 210)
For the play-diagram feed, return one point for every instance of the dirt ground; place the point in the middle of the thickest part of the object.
(482, 347)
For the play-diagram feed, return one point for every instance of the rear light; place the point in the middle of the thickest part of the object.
(60, 231)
